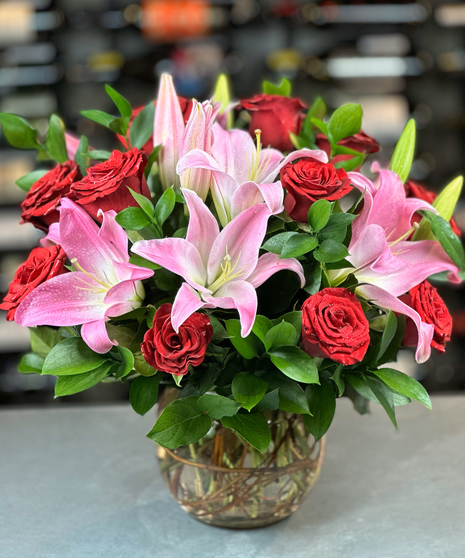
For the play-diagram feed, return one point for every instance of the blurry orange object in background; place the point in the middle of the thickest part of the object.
(169, 20)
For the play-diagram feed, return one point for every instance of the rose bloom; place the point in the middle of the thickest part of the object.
(106, 185)
(41, 202)
(358, 142)
(334, 326)
(41, 265)
(416, 190)
(425, 300)
(275, 117)
(309, 180)
(186, 109)
(172, 352)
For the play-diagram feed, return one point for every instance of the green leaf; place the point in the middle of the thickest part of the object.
(295, 319)
(340, 219)
(165, 206)
(181, 423)
(317, 110)
(30, 363)
(404, 384)
(132, 218)
(142, 366)
(55, 142)
(98, 116)
(269, 401)
(319, 214)
(330, 251)
(81, 157)
(275, 243)
(124, 362)
(446, 236)
(141, 129)
(383, 395)
(283, 89)
(71, 356)
(360, 383)
(98, 155)
(249, 347)
(313, 275)
(43, 339)
(298, 245)
(120, 125)
(75, 383)
(261, 327)
(145, 204)
(151, 160)
(402, 157)
(143, 393)
(322, 403)
(18, 132)
(248, 390)
(121, 103)
(281, 334)
(218, 406)
(26, 181)
(322, 126)
(344, 122)
(295, 364)
(292, 398)
(339, 380)
(388, 333)
(350, 164)
(252, 427)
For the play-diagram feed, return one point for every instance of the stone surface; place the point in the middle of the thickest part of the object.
(83, 483)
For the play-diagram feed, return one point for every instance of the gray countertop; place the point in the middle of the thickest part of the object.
(83, 482)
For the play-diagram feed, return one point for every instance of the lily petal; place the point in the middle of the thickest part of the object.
(176, 255)
(386, 300)
(53, 236)
(203, 227)
(187, 302)
(96, 337)
(168, 130)
(249, 194)
(114, 235)
(241, 240)
(269, 264)
(64, 300)
(240, 295)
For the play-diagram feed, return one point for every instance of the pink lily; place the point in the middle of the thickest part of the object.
(105, 286)
(243, 173)
(220, 269)
(385, 263)
(177, 138)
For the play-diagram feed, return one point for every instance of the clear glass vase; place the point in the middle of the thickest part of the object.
(221, 480)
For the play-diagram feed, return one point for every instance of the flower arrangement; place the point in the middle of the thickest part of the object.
(253, 271)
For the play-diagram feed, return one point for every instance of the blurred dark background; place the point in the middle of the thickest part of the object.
(398, 59)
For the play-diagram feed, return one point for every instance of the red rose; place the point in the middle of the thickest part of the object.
(417, 190)
(358, 142)
(41, 202)
(186, 109)
(425, 300)
(106, 184)
(41, 265)
(276, 117)
(172, 352)
(334, 326)
(309, 180)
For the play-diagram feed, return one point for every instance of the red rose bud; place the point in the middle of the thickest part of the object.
(309, 180)
(276, 117)
(106, 185)
(425, 300)
(172, 352)
(41, 265)
(186, 109)
(41, 202)
(334, 326)
(358, 142)
(416, 190)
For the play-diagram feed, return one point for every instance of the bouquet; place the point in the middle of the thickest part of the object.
(252, 270)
